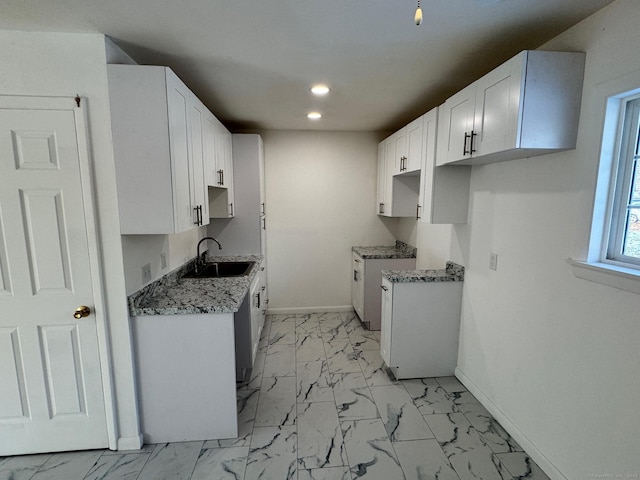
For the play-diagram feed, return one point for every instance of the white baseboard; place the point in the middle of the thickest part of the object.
(543, 462)
(130, 443)
(303, 310)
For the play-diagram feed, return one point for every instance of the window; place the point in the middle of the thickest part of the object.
(611, 255)
(623, 244)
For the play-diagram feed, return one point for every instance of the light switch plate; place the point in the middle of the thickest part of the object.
(146, 273)
(493, 261)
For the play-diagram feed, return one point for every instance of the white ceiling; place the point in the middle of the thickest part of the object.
(253, 61)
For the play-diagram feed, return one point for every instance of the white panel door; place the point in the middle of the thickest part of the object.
(51, 391)
(178, 104)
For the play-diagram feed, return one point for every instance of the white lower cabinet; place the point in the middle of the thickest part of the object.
(249, 320)
(365, 285)
(185, 376)
(420, 327)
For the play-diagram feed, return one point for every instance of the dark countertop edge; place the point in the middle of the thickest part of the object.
(164, 283)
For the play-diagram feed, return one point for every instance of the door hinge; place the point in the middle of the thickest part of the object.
(78, 100)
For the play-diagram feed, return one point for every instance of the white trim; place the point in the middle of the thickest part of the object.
(130, 443)
(97, 277)
(615, 276)
(304, 310)
(543, 462)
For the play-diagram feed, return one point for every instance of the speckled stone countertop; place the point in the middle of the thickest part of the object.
(401, 250)
(173, 295)
(452, 273)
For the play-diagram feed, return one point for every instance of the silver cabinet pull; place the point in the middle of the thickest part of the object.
(384, 288)
(418, 212)
(381, 208)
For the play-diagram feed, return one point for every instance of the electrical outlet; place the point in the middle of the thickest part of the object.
(163, 260)
(146, 273)
(493, 261)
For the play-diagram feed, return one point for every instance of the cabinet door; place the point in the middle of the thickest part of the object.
(400, 151)
(256, 317)
(386, 321)
(209, 132)
(428, 170)
(389, 155)
(357, 285)
(382, 180)
(199, 199)
(496, 108)
(414, 153)
(456, 124)
(228, 177)
(178, 106)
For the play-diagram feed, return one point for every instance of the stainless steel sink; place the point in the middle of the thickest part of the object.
(221, 269)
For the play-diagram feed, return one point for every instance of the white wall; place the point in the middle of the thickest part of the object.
(556, 358)
(138, 250)
(66, 65)
(320, 192)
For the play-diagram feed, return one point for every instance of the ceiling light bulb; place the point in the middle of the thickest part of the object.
(314, 115)
(319, 89)
(418, 17)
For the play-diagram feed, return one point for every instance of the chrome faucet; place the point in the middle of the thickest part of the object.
(200, 258)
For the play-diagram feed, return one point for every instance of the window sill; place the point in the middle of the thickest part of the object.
(615, 276)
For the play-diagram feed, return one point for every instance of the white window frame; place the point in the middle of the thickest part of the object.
(626, 142)
(597, 266)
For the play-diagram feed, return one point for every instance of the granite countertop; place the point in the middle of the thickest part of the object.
(400, 250)
(452, 273)
(173, 295)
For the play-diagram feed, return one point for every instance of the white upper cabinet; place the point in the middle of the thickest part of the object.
(404, 149)
(397, 192)
(157, 127)
(444, 191)
(198, 180)
(413, 157)
(220, 170)
(528, 106)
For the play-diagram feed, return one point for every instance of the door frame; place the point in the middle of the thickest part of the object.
(66, 103)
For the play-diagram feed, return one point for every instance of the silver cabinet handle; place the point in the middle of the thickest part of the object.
(355, 275)
(418, 212)
(384, 288)
(381, 208)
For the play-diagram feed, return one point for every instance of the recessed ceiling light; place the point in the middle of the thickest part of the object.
(314, 115)
(319, 89)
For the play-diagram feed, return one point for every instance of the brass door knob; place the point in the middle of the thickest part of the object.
(82, 311)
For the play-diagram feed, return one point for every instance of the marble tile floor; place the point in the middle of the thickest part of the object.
(319, 405)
